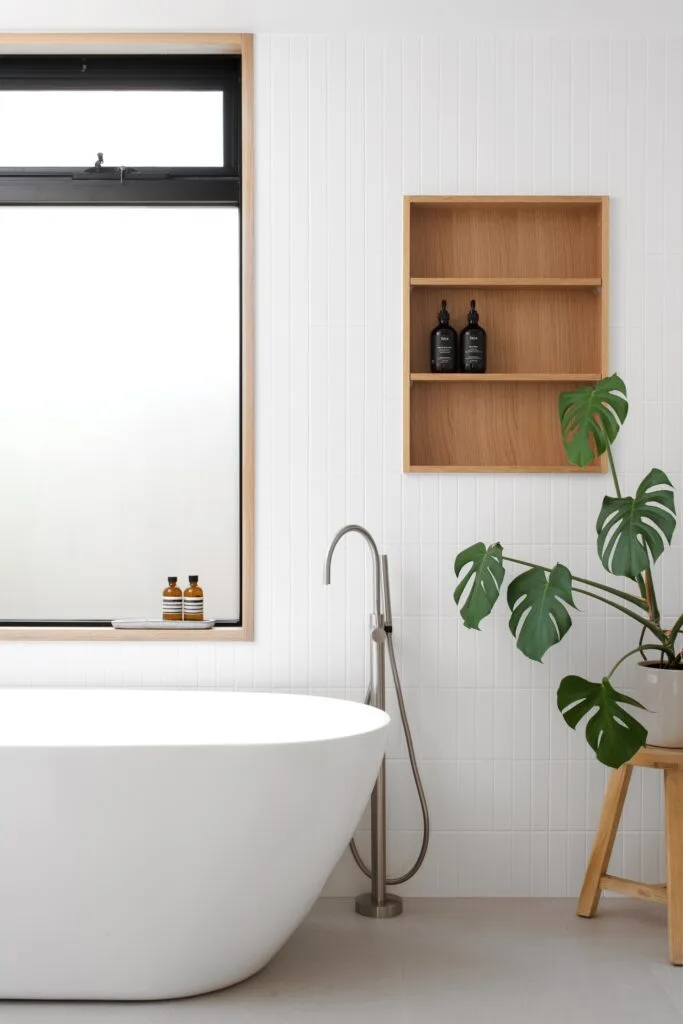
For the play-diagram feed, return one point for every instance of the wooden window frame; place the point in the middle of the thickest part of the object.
(180, 43)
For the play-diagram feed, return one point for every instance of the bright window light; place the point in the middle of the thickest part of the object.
(66, 128)
(120, 416)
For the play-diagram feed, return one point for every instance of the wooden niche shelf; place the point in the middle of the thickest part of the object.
(537, 267)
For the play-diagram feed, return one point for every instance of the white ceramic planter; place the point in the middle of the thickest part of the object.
(661, 692)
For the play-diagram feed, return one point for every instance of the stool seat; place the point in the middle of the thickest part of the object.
(670, 761)
(658, 757)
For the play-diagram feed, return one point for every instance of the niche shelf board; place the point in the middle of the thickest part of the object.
(538, 268)
(505, 282)
(491, 378)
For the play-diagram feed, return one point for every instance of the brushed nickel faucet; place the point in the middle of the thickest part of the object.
(378, 903)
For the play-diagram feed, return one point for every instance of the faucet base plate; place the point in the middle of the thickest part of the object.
(366, 906)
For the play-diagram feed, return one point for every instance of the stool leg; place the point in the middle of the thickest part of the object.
(610, 817)
(673, 799)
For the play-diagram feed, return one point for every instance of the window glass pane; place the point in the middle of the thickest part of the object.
(120, 416)
(131, 128)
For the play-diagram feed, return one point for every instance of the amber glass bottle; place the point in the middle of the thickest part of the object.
(193, 601)
(172, 603)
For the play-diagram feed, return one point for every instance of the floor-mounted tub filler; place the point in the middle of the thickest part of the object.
(379, 903)
(157, 844)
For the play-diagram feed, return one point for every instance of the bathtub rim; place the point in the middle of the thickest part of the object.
(376, 721)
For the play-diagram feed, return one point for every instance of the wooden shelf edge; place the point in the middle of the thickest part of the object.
(109, 634)
(503, 378)
(506, 282)
(504, 469)
(422, 200)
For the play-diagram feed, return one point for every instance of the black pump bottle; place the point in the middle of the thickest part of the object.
(444, 354)
(473, 343)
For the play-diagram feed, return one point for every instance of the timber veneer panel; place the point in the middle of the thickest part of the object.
(528, 330)
(537, 267)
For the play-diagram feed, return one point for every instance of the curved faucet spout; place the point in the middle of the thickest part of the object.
(352, 528)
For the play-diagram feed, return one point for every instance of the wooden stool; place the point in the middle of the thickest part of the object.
(597, 879)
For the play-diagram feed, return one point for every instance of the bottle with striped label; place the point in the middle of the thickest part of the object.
(172, 601)
(193, 601)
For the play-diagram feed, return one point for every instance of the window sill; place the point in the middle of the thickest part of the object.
(109, 634)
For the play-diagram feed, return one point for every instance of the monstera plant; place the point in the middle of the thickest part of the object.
(631, 536)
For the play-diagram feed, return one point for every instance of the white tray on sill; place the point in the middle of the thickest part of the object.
(162, 624)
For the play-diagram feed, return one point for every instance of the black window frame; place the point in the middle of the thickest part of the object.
(147, 186)
(204, 185)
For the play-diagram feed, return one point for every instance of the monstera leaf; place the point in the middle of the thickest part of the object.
(485, 574)
(630, 529)
(590, 418)
(614, 735)
(537, 601)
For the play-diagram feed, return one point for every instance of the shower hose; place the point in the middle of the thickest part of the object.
(399, 880)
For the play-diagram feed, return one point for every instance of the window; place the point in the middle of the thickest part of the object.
(125, 433)
(166, 127)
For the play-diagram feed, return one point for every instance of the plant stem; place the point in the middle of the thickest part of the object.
(659, 633)
(645, 647)
(675, 629)
(652, 607)
(640, 638)
(641, 602)
(613, 468)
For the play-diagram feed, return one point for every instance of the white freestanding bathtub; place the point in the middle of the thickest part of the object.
(156, 844)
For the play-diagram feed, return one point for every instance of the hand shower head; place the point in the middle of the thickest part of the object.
(387, 593)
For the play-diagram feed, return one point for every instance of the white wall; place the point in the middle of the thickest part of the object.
(617, 17)
(345, 126)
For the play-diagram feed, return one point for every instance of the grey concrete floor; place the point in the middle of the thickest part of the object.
(479, 961)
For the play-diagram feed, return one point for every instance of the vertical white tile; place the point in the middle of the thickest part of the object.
(539, 864)
(466, 724)
(557, 864)
(486, 116)
(468, 73)
(521, 864)
(656, 64)
(542, 59)
(429, 651)
(319, 199)
(355, 180)
(502, 795)
(503, 725)
(540, 794)
(430, 69)
(673, 146)
(429, 579)
(411, 129)
(523, 152)
(448, 136)
(598, 120)
(521, 795)
(580, 115)
(560, 129)
(506, 103)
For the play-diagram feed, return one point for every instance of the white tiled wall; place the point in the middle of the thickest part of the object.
(344, 126)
